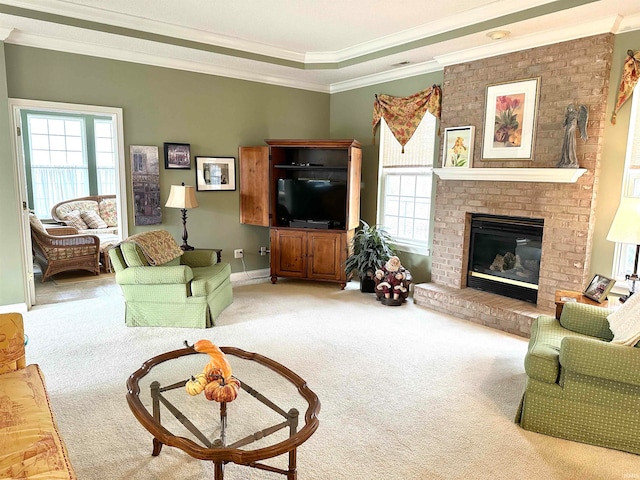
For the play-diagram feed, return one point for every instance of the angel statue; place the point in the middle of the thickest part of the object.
(574, 117)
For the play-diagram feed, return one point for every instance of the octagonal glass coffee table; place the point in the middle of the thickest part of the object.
(263, 422)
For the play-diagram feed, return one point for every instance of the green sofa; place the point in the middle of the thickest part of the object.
(189, 291)
(579, 385)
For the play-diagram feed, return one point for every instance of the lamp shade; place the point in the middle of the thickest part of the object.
(625, 227)
(182, 196)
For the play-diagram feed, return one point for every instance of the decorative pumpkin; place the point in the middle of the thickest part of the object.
(218, 360)
(196, 384)
(222, 390)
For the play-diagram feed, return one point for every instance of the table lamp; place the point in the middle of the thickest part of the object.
(183, 197)
(625, 228)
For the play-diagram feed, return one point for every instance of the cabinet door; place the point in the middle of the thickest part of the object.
(289, 257)
(353, 199)
(326, 252)
(253, 164)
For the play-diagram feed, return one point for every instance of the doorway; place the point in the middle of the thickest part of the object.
(23, 157)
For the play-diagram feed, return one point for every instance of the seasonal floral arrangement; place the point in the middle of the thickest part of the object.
(216, 379)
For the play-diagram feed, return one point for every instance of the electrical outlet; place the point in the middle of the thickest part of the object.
(238, 253)
(263, 251)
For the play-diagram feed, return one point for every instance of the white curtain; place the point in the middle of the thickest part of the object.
(55, 184)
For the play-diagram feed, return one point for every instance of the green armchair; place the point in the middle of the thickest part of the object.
(579, 385)
(188, 291)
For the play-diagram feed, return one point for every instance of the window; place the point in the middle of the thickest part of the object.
(67, 156)
(405, 185)
(625, 252)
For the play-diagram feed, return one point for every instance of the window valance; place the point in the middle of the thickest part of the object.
(630, 75)
(403, 114)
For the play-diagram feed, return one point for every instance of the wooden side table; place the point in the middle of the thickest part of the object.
(563, 295)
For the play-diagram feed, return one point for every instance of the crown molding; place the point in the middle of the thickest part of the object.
(101, 51)
(628, 23)
(421, 32)
(388, 76)
(510, 45)
(4, 33)
(107, 17)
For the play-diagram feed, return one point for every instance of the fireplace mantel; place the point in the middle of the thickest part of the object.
(551, 175)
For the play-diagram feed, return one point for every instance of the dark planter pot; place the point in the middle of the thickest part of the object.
(367, 285)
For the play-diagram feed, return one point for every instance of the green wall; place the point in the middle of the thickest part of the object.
(613, 157)
(214, 114)
(11, 271)
(351, 115)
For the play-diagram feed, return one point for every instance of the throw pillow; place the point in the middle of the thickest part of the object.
(35, 222)
(92, 219)
(625, 322)
(73, 219)
(109, 211)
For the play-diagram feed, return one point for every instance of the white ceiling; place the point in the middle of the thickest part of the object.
(320, 45)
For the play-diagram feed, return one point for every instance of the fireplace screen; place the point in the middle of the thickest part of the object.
(504, 255)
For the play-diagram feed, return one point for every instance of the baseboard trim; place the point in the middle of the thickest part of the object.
(16, 307)
(246, 276)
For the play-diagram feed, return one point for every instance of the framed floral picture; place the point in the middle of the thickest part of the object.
(510, 120)
(457, 150)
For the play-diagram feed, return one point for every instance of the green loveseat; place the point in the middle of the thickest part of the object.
(579, 385)
(189, 291)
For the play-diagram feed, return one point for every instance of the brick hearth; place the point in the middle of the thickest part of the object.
(569, 72)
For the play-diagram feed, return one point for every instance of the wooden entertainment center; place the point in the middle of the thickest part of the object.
(308, 193)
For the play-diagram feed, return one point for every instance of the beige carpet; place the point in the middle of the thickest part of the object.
(406, 393)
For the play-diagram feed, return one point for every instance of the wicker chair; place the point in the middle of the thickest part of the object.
(61, 249)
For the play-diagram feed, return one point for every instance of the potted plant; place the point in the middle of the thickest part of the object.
(370, 249)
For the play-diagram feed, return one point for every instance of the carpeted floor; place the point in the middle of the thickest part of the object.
(406, 393)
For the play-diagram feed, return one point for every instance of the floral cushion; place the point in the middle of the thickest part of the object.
(74, 219)
(92, 219)
(109, 211)
(78, 205)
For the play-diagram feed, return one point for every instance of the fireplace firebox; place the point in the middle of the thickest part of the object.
(504, 255)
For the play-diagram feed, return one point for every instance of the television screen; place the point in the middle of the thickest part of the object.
(304, 200)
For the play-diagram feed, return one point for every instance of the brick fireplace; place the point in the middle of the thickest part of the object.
(569, 72)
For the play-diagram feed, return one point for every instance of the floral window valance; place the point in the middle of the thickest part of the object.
(403, 114)
(630, 75)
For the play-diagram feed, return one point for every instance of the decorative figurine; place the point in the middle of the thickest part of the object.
(574, 117)
(392, 282)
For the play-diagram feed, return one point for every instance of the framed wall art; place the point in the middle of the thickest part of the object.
(599, 287)
(177, 156)
(145, 178)
(215, 173)
(458, 147)
(510, 120)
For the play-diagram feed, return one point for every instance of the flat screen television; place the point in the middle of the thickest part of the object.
(311, 203)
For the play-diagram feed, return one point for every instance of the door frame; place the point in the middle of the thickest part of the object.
(16, 105)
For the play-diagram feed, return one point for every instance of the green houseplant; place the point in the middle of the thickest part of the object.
(370, 249)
